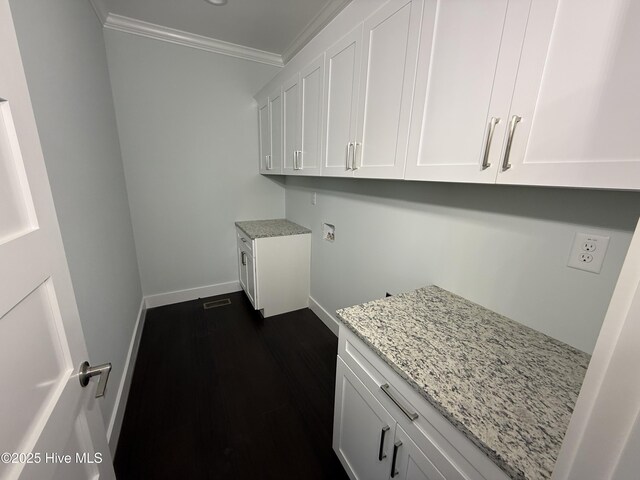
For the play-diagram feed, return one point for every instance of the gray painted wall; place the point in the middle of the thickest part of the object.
(189, 135)
(503, 247)
(64, 57)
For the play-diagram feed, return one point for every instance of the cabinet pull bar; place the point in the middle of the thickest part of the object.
(268, 159)
(243, 258)
(381, 453)
(410, 415)
(485, 158)
(354, 160)
(300, 160)
(295, 159)
(349, 158)
(507, 149)
(396, 447)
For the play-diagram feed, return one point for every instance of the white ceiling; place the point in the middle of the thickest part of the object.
(270, 25)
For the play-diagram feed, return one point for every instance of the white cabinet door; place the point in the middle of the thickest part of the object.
(311, 91)
(242, 268)
(363, 430)
(251, 280)
(469, 51)
(342, 74)
(291, 123)
(412, 463)
(390, 49)
(577, 97)
(264, 131)
(275, 122)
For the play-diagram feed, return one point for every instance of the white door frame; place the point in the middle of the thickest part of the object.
(605, 425)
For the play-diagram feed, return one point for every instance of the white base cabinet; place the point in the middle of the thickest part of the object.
(384, 429)
(274, 272)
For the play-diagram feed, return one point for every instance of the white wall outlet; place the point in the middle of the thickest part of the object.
(314, 198)
(588, 252)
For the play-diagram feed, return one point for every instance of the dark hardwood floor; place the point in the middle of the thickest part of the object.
(223, 393)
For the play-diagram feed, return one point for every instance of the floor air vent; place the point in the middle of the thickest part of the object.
(217, 303)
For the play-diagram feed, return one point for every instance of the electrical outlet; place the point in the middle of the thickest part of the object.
(588, 252)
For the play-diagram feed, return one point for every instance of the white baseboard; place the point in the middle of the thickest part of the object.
(329, 320)
(115, 423)
(169, 298)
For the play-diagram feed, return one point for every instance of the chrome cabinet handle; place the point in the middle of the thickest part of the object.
(268, 160)
(243, 258)
(243, 240)
(86, 372)
(410, 415)
(396, 447)
(485, 158)
(381, 453)
(507, 149)
(295, 159)
(349, 149)
(354, 158)
(300, 166)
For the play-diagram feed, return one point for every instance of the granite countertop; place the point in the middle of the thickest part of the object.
(271, 228)
(510, 389)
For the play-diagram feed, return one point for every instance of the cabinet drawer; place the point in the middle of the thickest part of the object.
(447, 448)
(244, 242)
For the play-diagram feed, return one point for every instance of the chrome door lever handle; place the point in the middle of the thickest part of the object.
(86, 372)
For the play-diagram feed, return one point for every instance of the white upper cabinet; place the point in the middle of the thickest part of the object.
(577, 96)
(467, 66)
(311, 94)
(342, 80)
(291, 123)
(275, 121)
(389, 57)
(302, 110)
(264, 133)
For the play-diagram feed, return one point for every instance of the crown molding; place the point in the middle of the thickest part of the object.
(179, 37)
(101, 12)
(321, 20)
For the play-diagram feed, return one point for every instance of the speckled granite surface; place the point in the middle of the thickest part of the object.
(510, 389)
(271, 228)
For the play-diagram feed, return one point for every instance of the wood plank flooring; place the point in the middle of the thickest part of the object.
(223, 393)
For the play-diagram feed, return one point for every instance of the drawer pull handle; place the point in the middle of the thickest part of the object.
(396, 447)
(382, 455)
(492, 126)
(243, 258)
(349, 150)
(507, 149)
(244, 240)
(410, 415)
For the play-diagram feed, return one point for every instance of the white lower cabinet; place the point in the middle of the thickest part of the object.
(384, 429)
(274, 272)
(363, 430)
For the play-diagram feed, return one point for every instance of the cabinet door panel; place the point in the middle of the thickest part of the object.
(358, 423)
(291, 122)
(342, 82)
(412, 463)
(251, 281)
(275, 120)
(311, 80)
(264, 131)
(577, 94)
(461, 62)
(390, 50)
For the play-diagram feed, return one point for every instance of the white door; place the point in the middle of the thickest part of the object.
(291, 123)
(311, 91)
(411, 462)
(389, 57)
(362, 430)
(44, 412)
(342, 80)
(275, 121)
(577, 97)
(469, 52)
(264, 130)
